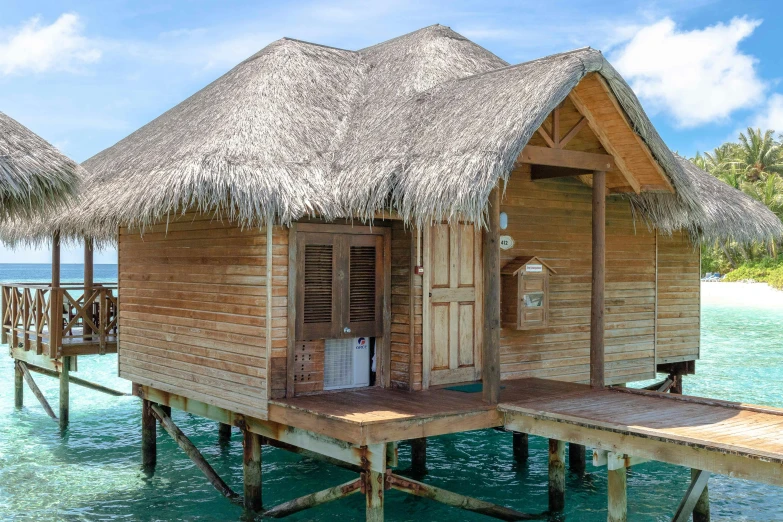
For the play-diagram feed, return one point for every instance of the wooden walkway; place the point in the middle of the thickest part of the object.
(718, 436)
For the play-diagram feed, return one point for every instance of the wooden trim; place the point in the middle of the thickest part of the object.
(573, 132)
(330, 228)
(655, 321)
(546, 137)
(567, 158)
(291, 322)
(269, 261)
(415, 237)
(478, 322)
(387, 297)
(426, 362)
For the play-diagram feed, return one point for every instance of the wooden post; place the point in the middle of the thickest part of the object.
(556, 475)
(577, 458)
(18, 386)
(676, 384)
(374, 482)
(520, 447)
(419, 457)
(252, 470)
(701, 512)
(617, 495)
(65, 391)
(56, 260)
(89, 281)
(598, 282)
(149, 437)
(490, 354)
(224, 433)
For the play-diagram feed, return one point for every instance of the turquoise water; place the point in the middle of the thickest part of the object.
(92, 472)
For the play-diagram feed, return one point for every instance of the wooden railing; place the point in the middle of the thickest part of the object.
(41, 318)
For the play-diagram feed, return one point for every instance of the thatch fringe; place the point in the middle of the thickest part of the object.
(34, 175)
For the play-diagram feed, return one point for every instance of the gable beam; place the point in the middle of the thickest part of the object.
(573, 132)
(571, 159)
(592, 122)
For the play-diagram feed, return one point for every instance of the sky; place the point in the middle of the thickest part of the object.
(85, 74)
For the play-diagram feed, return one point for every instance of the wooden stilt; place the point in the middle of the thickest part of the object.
(456, 500)
(191, 451)
(224, 433)
(556, 475)
(149, 436)
(491, 341)
(676, 387)
(374, 490)
(418, 457)
(576, 458)
(701, 512)
(36, 391)
(617, 495)
(314, 499)
(692, 495)
(520, 447)
(252, 470)
(18, 386)
(598, 281)
(65, 386)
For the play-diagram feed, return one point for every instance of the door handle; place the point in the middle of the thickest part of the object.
(346, 330)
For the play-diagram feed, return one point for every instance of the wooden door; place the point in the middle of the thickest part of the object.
(454, 291)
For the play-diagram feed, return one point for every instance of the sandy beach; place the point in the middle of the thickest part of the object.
(741, 294)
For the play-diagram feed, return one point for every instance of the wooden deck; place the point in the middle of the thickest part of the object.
(722, 437)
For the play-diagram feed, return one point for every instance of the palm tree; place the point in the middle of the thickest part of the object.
(769, 191)
(758, 154)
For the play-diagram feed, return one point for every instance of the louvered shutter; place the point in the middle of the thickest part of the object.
(339, 285)
(316, 295)
(364, 309)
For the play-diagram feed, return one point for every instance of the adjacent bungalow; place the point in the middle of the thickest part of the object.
(339, 250)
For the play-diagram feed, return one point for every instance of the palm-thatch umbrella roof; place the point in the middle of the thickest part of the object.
(426, 124)
(33, 174)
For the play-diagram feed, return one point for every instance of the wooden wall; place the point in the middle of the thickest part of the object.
(193, 314)
(679, 303)
(551, 220)
(402, 339)
(279, 323)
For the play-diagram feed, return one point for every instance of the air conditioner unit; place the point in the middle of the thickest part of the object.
(346, 363)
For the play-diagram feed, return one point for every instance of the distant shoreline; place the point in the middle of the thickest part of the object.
(759, 295)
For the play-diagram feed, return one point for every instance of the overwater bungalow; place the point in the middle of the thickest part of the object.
(336, 251)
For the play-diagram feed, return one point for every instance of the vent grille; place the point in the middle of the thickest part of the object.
(317, 284)
(362, 284)
(338, 363)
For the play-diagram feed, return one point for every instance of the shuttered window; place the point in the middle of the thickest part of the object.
(339, 285)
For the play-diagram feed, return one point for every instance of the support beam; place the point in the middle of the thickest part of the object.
(418, 457)
(88, 277)
(692, 496)
(80, 382)
(36, 391)
(520, 448)
(313, 455)
(598, 281)
(65, 392)
(617, 495)
(571, 159)
(701, 512)
(374, 483)
(56, 260)
(490, 355)
(676, 387)
(192, 452)
(251, 468)
(149, 436)
(576, 458)
(456, 500)
(556, 475)
(224, 433)
(18, 386)
(314, 499)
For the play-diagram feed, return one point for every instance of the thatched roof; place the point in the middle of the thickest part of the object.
(33, 174)
(723, 212)
(426, 124)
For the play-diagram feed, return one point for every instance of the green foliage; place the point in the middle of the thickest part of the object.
(754, 165)
(767, 270)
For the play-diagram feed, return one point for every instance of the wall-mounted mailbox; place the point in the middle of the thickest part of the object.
(524, 293)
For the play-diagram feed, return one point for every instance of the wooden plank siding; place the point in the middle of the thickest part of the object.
(679, 290)
(402, 242)
(551, 220)
(193, 317)
(279, 326)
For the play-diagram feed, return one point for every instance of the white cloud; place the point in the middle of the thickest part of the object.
(697, 76)
(770, 116)
(34, 47)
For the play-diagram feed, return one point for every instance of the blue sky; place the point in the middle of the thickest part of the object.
(85, 74)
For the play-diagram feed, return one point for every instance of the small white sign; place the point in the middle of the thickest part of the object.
(506, 242)
(534, 268)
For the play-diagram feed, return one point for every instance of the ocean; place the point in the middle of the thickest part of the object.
(92, 472)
